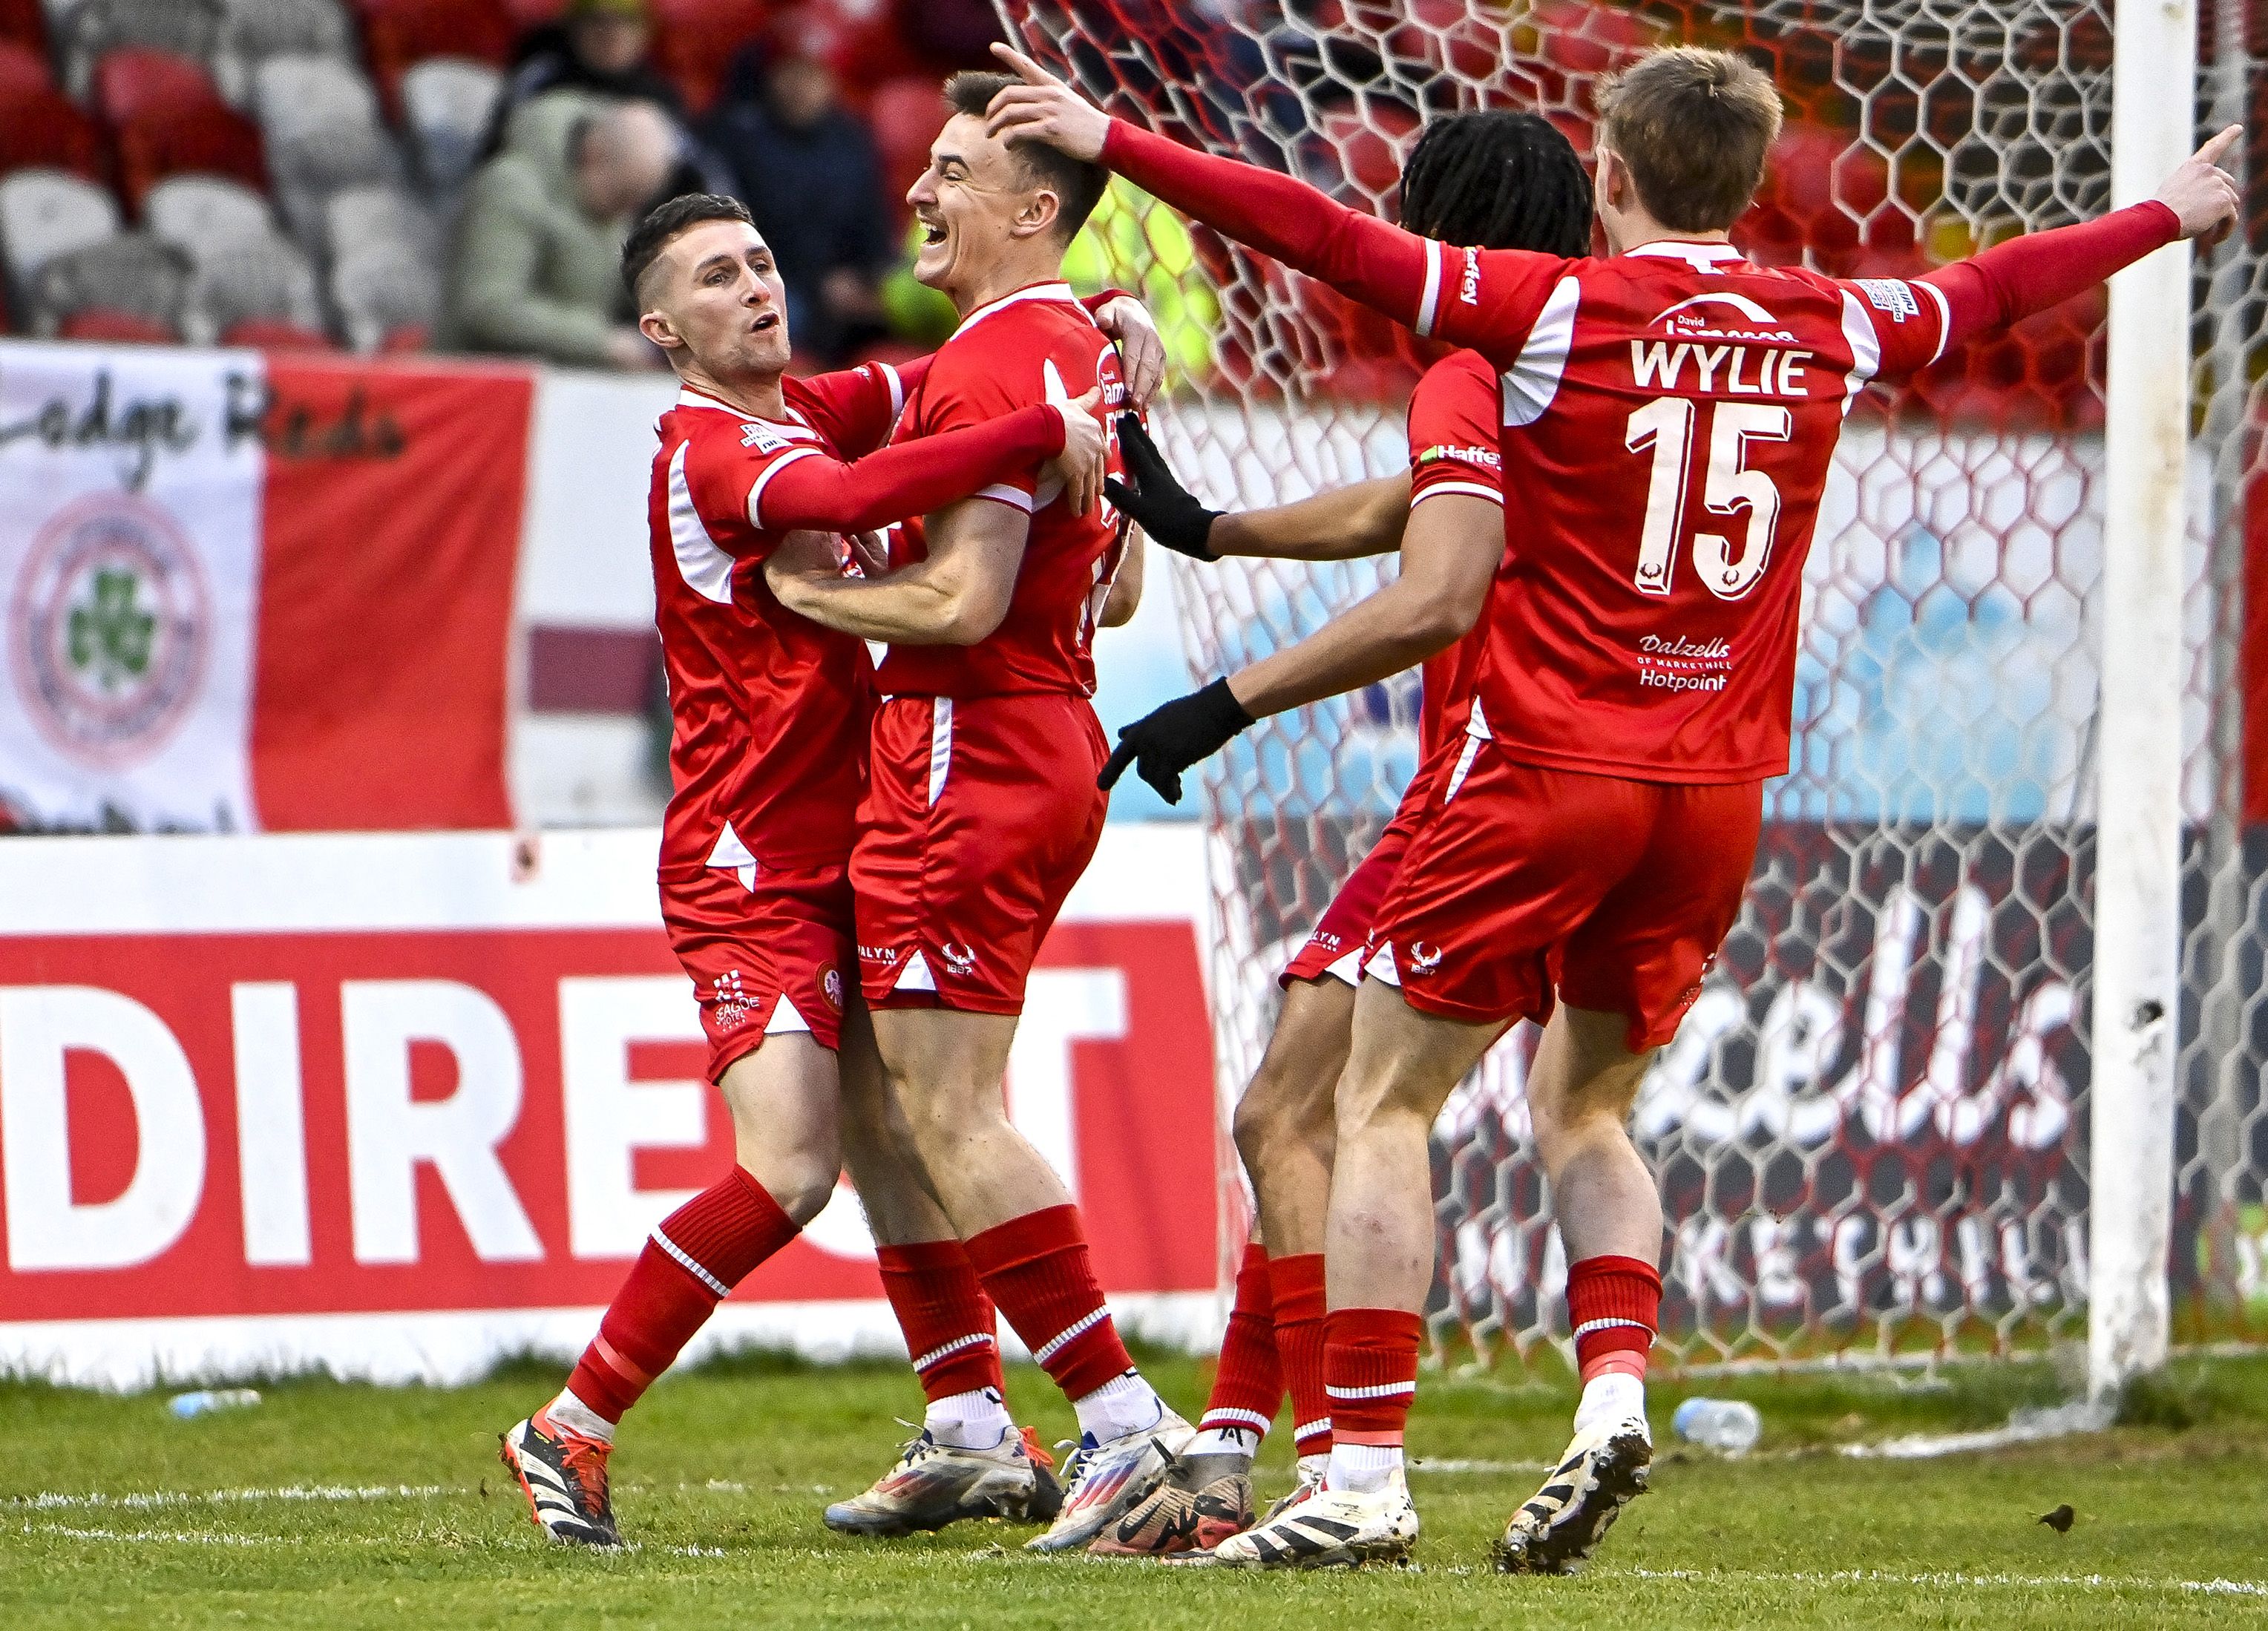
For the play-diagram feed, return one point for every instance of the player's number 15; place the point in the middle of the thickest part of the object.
(1666, 425)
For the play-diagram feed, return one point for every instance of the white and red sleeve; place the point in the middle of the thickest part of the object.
(1453, 431)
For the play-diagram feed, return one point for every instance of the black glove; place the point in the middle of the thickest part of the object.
(1166, 742)
(1157, 500)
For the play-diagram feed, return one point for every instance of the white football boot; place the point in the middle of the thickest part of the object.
(1328, 1529)
(1104, 1481)
(1309, 1472)
(1562, 1523)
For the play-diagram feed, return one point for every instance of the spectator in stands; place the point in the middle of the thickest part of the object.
(538, 260)
(808, 170)
(600, 47)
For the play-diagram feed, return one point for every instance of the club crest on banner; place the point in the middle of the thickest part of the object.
(110, 625)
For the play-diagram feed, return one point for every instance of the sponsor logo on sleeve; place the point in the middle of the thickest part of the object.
(1893, 295)
(1469, 286)
(1486, 457)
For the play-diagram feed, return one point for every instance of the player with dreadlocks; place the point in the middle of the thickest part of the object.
(1495, 180)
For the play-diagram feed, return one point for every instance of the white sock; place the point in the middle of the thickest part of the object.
(1611, 1396)
(975, 1420)
(1362, 1468)
(1312, 1469)
(578, 1417)
(1224, 1441)
(1124, 1404)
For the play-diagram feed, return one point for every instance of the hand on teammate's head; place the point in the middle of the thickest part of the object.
(2202, 194)
(1043, 109)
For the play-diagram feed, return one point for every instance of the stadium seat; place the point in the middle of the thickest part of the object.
(110, 327)
(265, 333)
(360, 218)
(861, 41)
(526, 14)
(397, 33)
(202, 214)
(387, 298)
(253, 31)
(41, 126)
(321, 118)
(447, 104)
(694, 41)
(132, 273)
(46, 213)
(167, 118)
(23, 69)
(25, 22)
(92, 29)
(905, 115)
(265, 279)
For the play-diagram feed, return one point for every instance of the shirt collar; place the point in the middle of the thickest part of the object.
(1701, 256)
(1057, 291)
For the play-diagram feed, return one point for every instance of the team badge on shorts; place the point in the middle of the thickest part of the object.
(1424, 959)
(830, 987)
(960, 959)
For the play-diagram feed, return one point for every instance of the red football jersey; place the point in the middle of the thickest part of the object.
(769, 711)
(1453, 450)
(1668, 418)
(1036, 345)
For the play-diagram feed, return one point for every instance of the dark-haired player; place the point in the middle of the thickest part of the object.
(982, 809)
(1501, 180)
(1669, 414)
(768, 717)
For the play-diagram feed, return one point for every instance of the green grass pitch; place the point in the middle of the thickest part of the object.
(335, 1505)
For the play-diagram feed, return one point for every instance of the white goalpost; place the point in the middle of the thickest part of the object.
(1980, 1069)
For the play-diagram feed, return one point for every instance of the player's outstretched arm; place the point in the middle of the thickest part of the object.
(2012, 281)
(1361, 256)
(1450, 551)
(1362, 518)
(913, 478)
(956, 596)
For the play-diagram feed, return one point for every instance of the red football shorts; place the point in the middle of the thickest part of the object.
(1615, 892)
(981, 814)
(1342, 936)
(764, 957)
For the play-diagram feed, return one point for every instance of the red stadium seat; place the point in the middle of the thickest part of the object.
(268, 334)
(528, 14)
(168, 118)
(99, 323)
(23, 71)
(696, 41)
(905, 115)
(397, 34)
(25, 23)
(860, 42)
(40, 126)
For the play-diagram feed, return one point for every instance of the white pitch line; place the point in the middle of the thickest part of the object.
(52, 1501)
(1883, 1577)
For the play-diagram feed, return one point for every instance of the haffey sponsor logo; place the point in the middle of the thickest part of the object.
(111, 625)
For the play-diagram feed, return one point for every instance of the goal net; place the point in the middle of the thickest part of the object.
(1871, 1132)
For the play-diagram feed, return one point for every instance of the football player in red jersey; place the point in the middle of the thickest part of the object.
(982, 808)
(769, 716)
(1502, 181)
(1669, 416)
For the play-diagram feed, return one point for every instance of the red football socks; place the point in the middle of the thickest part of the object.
(1248, 1389)
(946, 1316)
(1036, 1270)
(1296, 1285)
(699, 1253)
(1370, 1373)
(1615, 1304)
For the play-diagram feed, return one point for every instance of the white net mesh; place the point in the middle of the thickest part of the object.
(1871, 1131)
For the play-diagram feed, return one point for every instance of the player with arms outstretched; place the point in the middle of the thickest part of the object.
(982, 809)
(769, 714)
(1501, 180)
(1669, 417)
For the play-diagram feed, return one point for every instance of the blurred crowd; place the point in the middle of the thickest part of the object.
(399, 175)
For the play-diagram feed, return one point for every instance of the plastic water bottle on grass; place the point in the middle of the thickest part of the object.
(205, 1401)
(1728, 1426)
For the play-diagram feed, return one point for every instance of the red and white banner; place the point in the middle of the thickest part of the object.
(241, 592)
(397, 1106)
